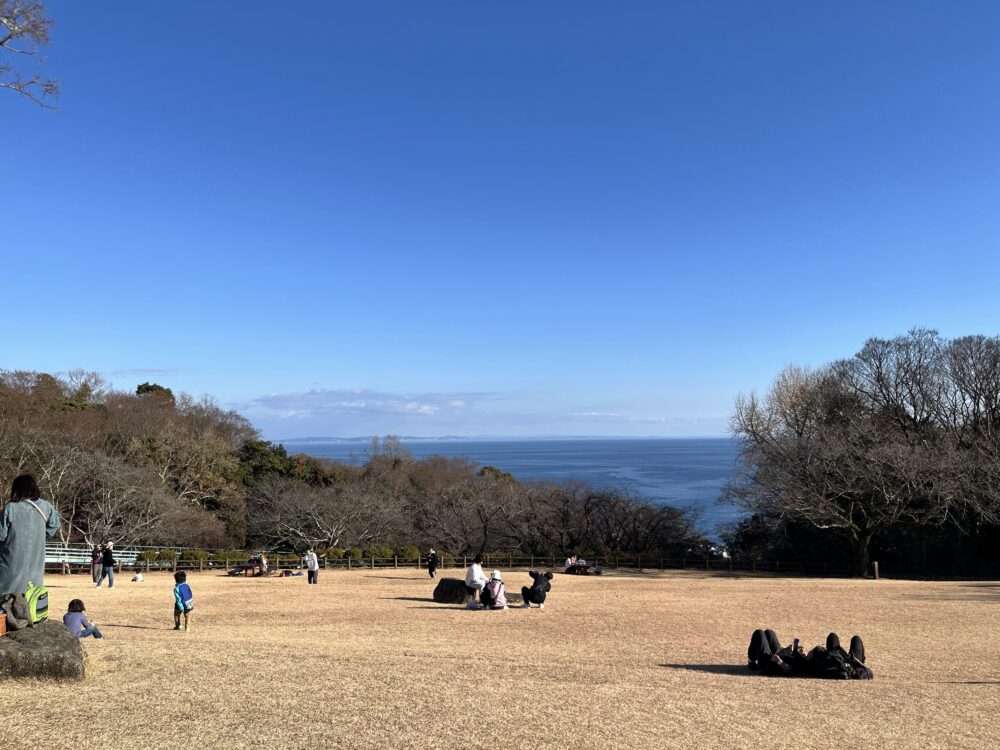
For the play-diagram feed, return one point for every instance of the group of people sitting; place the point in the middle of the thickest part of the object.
(492, 593)
(768, 656)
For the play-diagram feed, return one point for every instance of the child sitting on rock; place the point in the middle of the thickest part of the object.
(77, 623)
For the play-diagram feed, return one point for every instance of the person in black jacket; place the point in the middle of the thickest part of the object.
(107, 566)
(766, 654)
(541, 585)
(432, 563)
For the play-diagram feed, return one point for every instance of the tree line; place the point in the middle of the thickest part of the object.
(895, 451)
(149, 467)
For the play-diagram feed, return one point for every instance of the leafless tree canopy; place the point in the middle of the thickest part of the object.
(906, 432)
(24, 31)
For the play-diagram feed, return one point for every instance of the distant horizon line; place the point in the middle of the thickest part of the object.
(457, 438)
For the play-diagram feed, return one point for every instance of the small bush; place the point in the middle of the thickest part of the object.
(148, 555)
(167, 555)
(195, 555)
(408, 553)
(333, 553)
(377, 552)
(354, 553)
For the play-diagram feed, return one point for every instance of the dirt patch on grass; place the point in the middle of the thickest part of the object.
(651, 661)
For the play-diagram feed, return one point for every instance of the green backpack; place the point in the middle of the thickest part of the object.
(38, 603)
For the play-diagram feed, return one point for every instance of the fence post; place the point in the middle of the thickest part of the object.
(532, 560)
(510, 560)
(395, 562)
(373, 562)
(348, 563)
(147, 565)
(706, 563)
(753, 564)
(175, 564)
(684, 563)
(875, 569)
(777, 563)
(638, 563)
(201, 564)
(465, 561)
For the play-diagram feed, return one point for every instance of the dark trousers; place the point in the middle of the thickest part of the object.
(857, 649)
(532, 595)
(763, 645)
(312, 576)
(432, 571)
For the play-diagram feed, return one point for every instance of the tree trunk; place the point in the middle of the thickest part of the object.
(860, 541)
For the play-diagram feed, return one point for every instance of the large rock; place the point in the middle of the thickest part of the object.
(46, 650)
(450, 591)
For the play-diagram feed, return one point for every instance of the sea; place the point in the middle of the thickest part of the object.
(682, 472)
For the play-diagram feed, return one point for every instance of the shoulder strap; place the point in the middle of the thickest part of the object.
(35, 506)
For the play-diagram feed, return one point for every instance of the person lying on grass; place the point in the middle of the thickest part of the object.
(766, 654)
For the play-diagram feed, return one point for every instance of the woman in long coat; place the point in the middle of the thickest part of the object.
(25, 523)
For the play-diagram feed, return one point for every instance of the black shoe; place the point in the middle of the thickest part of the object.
(751, 664)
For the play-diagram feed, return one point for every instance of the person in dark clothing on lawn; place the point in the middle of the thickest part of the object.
(541, 585)
(766, 654)
(432, 563)
(107, 566)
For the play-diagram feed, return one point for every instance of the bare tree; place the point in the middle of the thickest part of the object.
(24, 31)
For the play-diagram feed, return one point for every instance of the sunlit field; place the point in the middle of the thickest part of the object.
(366, 659)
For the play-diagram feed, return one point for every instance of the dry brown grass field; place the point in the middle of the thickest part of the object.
(366, 660)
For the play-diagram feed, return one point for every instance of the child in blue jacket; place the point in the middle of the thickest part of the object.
(183, 601)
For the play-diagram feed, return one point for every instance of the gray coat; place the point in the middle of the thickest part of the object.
(22, 543)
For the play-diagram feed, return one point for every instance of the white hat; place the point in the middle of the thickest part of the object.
(496, 576)
(432, 550)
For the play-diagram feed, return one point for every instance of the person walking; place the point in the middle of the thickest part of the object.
(25, 523)
(312, 566)
(432, 563)
(95, 563)
(107, 566)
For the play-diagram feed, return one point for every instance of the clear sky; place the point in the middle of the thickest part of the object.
(485, 218)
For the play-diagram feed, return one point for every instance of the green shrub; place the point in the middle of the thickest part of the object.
(195, 555)
(167, 555)
(333, 553)
(408, 552)
(446, 558)
(377, 552)
(148, 555)
(354, 553)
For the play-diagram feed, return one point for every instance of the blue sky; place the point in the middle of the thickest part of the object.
(512, 218)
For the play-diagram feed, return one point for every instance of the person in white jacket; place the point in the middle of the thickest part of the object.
(312, 566)
(475, 580)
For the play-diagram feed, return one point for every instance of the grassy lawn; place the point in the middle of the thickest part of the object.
(366, 659)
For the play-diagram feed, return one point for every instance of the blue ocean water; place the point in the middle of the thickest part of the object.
(682, 472)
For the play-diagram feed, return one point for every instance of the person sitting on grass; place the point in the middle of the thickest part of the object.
(137, 578)
(475, 581)
(494, 596)
(183, 601)
(77, 623)
(541, 585)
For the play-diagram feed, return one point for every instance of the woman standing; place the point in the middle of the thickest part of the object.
(95, 563)
(24, 524)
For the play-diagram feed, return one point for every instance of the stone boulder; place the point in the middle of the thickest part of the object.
(46, 650)
(450, 591)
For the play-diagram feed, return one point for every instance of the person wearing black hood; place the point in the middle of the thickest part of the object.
(541, 585)
(432, 563)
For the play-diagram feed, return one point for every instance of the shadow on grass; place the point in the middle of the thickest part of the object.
(396, 578)
(410, 598)
(969, 682)
(730, 669)
(136, 627)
